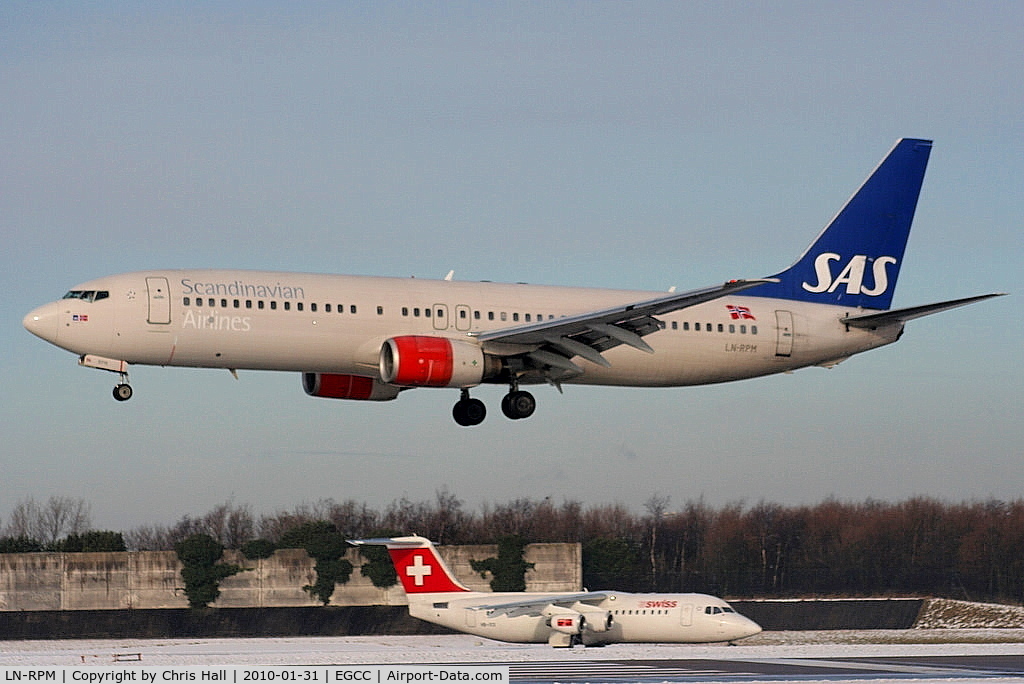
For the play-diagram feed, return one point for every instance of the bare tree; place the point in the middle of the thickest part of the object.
(49, 522)
(148, 538)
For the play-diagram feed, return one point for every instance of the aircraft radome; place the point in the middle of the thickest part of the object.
(371, 338)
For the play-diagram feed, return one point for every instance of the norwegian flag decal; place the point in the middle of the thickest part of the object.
(740, 312)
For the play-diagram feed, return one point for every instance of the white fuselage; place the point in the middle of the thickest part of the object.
(337, 324)
(626, 618)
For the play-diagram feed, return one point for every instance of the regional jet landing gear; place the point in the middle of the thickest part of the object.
(517, 404)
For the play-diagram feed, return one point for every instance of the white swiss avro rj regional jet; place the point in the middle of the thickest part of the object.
(591, 618)
(370, 338)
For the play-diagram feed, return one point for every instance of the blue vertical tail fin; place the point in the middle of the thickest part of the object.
(855, 261)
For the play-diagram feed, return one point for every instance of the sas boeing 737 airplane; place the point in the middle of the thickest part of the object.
(370, 338)
(591, 618)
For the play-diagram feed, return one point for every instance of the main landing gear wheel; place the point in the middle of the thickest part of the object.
(468, 412)
(123, 392)
(518, 404)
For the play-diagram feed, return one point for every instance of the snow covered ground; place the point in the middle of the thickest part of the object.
(471, 649)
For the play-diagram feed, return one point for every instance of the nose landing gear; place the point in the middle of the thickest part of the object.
(122, 390)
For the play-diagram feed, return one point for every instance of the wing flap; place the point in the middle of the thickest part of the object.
(550, 345)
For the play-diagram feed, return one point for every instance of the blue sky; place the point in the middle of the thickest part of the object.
(639, 145)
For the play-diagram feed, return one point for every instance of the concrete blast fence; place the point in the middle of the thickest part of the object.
(144, 580)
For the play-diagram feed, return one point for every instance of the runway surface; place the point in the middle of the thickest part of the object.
(868, 656)
(925, 668)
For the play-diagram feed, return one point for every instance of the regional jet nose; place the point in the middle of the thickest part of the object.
(743, 627)
(43, 322)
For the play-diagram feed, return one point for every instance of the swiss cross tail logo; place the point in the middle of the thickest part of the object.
(418, 570)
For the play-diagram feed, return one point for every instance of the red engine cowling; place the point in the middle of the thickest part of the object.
(424, 361)
(341, 386)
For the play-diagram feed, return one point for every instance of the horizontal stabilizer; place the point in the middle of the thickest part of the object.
(877, 320)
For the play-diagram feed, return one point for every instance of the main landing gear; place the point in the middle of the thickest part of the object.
(517, 404)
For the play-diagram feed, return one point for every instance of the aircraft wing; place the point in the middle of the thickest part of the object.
(549, 345)
(875, 320)
(537, 605)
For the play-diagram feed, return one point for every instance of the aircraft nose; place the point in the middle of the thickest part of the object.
(43, 322)
(744, 627)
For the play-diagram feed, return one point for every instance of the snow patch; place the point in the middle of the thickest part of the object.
(951, 614)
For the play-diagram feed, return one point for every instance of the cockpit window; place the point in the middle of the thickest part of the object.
(87, 295)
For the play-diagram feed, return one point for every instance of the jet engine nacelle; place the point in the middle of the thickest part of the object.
(567, 623)
(597, 620)
(341, 386)
(425, 361)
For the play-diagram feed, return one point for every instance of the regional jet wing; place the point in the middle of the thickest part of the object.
(537, 605)
(876, 320)
(552, 343)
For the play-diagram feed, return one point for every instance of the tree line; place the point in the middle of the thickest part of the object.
(920, 546)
